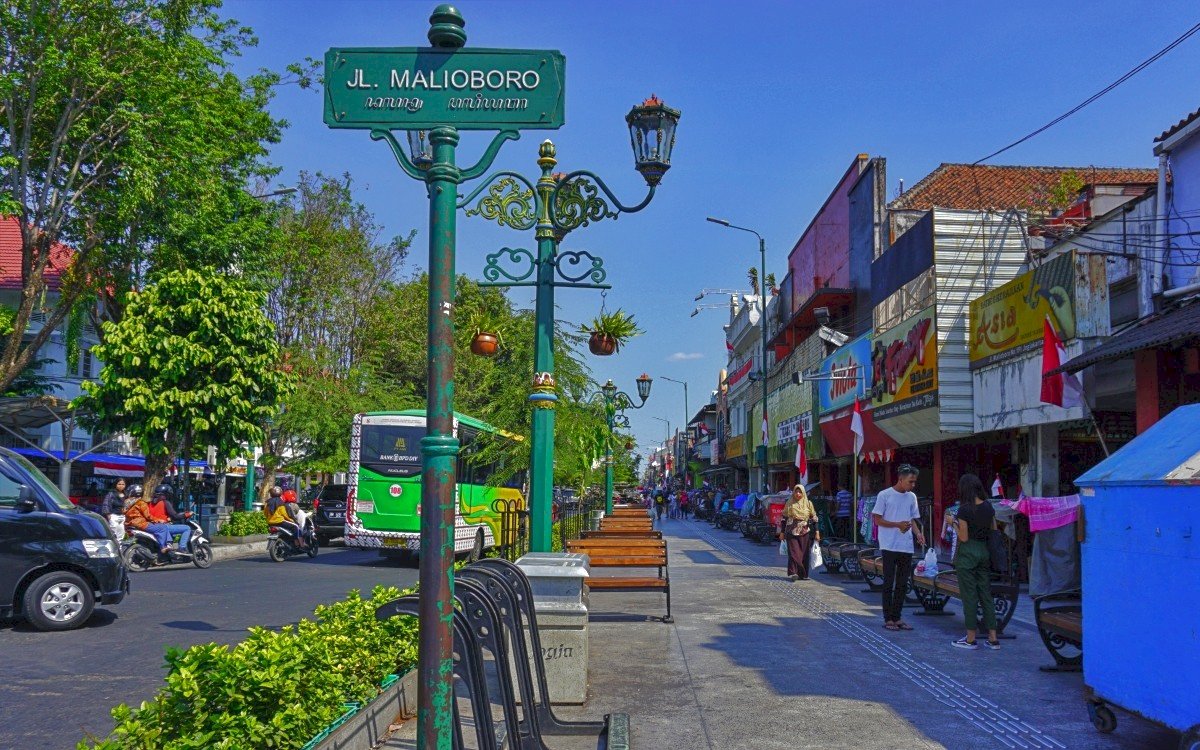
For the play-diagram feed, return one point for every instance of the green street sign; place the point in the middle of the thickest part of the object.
(418, 88)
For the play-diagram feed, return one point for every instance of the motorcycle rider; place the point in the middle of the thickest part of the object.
(137, 516)
(163, 512)
(283, 514)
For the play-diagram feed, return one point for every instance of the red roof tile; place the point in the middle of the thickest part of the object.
(966, 186)
(10, 258)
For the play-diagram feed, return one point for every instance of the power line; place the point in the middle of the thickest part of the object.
(1130, 74)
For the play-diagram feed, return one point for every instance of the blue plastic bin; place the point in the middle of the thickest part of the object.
(1141, 577)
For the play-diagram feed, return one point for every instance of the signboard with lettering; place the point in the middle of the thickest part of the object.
(418, 88)
(735, 447)
(904, 367)
(850, 371)
(1008, 321)
(784, 407)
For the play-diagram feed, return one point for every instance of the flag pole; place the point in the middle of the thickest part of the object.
(854, 501)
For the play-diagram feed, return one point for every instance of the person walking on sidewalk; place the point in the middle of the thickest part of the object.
(972, 563)
(798, 527)
(897, 517)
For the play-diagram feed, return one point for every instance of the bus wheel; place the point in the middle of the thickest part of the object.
(477, 550)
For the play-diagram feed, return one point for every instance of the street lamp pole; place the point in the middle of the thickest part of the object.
(557, 205)
(615, 402)
(687, 415)
(762, 325)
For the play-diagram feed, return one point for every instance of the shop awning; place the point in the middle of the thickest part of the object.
(1171, 328)
(104, 464)
(840, 439)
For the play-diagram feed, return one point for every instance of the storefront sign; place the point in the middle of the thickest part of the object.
(790, 429)
(411, 88)
(849, 374)
(904, 366)
(1007, 322)
(735, 447)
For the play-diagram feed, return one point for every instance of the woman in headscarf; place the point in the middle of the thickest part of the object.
(798, 527)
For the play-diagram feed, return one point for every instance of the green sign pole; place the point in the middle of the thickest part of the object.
(543, 398)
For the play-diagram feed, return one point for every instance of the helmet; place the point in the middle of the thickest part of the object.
(163, 489)
(275, 491)
(289, 496)
(134, 490)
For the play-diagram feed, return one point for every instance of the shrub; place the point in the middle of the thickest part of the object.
(275, 689)
(556, 544)
(245, 523)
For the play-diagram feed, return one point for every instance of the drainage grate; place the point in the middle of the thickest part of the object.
(1008, 729)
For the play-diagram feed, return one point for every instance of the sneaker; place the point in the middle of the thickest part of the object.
(994, 645)
(964, 643)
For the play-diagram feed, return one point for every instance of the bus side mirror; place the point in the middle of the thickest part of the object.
(25, 501)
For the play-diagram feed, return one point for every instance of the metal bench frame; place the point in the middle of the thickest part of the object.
(1066, 646)
(934, 598)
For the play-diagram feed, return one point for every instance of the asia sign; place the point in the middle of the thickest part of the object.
(904, 367)
(1007, 322)
(846, 373)
(418, 88)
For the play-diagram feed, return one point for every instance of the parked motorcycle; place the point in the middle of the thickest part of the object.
(283, 543)
(141, 552)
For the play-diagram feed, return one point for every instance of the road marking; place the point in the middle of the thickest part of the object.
(1003, 726)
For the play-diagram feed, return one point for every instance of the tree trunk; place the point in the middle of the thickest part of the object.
(268, 481)
(156, 469)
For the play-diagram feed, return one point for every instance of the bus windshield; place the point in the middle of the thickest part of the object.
(392, 450)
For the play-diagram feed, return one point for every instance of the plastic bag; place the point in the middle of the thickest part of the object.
(815, 559)
(931, 563)
(783, 548)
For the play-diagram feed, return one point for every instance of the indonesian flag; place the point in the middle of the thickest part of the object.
(801, 460)
(856, 426)
(1061, 389)
(764, 428)
(997, 488)
(728, 346)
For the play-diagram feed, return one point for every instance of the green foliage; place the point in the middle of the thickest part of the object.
(128, 137)
(194, 355)
(556, 537)
(245, 523)
(326, 269)
(275, 689)
(618, 325)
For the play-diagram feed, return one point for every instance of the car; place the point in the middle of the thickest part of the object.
(57, 561)
(329, 512)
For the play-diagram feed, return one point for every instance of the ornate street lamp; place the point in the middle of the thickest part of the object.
(614, 402)
(554, 206)
(652, 133)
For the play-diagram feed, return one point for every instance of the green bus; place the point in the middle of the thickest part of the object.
(383, 503)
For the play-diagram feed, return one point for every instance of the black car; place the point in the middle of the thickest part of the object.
(329, 512)
(57, 561)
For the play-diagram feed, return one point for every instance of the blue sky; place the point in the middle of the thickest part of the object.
(777, 99)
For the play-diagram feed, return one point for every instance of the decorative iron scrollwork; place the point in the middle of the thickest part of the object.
(493, 271)
(577, 203)
(507, 204)
(593, 266)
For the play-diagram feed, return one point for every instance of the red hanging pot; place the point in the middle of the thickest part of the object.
(602, 344)
(485, 344)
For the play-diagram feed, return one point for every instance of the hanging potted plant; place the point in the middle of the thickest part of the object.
(487, 339)
(608, 331)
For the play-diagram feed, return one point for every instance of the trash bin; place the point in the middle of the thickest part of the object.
(561, 602)
(1140, 564)
(212, 517)
(594, 519)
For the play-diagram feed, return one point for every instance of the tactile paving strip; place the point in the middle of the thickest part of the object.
(1007, 729)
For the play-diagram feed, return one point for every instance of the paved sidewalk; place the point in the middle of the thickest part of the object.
(758, 662)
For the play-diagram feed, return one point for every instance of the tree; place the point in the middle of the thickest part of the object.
(193, 362)
(325, 269)
(126, 137)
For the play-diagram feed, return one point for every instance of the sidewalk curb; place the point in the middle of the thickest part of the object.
(234, 551)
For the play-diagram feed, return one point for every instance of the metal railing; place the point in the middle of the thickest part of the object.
(579, 515)
(514, 529)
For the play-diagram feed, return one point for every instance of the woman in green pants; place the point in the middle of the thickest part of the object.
(972, 563)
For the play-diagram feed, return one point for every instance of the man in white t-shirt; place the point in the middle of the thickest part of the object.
(898, 520)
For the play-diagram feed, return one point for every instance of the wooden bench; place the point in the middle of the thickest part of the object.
(627, 553)
(628, 513)
(937, 591)
(626, 523)
(620, 534)
(1059, 619)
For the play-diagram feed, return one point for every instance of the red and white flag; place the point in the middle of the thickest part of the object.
(856, 426)
(764, 428)
(728, 346)
(997, 488)
(1060, 389)
(801, 460)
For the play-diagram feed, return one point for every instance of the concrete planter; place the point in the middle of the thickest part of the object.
(369, 726)
(248, 539)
